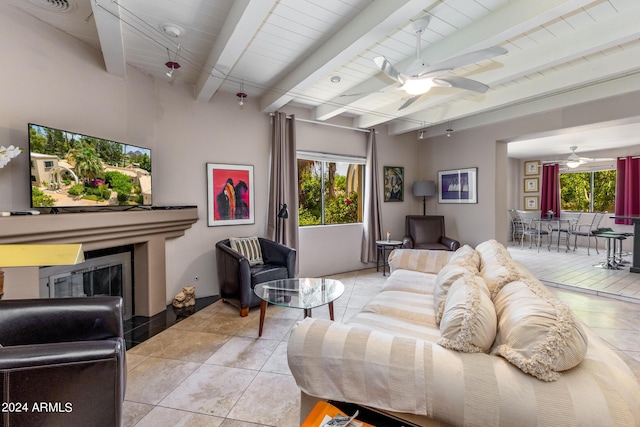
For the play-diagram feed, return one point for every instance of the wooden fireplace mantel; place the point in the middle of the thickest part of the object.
(146, 230)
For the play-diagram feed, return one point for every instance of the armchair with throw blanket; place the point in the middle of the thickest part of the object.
(244, 262)
(427, 232)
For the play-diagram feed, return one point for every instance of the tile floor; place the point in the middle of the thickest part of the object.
(210, 369)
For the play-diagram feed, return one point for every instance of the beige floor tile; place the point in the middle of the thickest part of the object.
(244, 352)
(167, 417)
(132, 412)
(155, 378)
(277, 363)
(210, 390)
(262, 405)
(182, 345)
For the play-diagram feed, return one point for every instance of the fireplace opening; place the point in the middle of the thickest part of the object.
(104, 272)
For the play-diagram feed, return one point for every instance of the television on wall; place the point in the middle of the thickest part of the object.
(72, 170)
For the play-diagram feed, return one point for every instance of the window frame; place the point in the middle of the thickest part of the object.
(591, 173)
(325, 158)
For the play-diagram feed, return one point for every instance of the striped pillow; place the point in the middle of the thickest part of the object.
(249, 247)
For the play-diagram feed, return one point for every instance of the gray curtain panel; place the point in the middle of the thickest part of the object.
(283, 185)
(372, 225)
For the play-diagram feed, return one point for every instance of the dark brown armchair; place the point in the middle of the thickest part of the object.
(427, 232)
(237, 277)
(62, 361)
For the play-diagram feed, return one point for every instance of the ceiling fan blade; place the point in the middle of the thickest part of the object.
(461, 83)
(409, 101)
(386, 67)
(464, 59)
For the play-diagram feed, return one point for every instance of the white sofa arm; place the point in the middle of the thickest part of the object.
(348, 363)
(423, 260)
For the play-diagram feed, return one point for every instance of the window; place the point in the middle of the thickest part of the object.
(48, 164)
(588, 191)
(330, 189)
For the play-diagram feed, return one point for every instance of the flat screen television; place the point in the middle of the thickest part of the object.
(72, 170)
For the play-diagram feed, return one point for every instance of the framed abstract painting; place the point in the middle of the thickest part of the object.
(458, 186)
(230, 194)
(393, 183)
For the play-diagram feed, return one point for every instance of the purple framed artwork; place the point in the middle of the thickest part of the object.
(229, 194)
(458, 186)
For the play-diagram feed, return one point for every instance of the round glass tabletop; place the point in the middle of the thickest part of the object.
(303, 293)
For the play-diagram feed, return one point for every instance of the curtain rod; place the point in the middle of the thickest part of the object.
(633, 157)
(315, 122)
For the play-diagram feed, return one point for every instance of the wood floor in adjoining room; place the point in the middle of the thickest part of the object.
(211, 369)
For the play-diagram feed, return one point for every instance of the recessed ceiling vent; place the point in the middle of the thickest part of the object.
(56, 5)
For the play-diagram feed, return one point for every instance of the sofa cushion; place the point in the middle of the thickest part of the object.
(425, 261)
(536, 331)
(445, 278)
(249, 247)
(469, 320)
(466, 256)
(496, 265)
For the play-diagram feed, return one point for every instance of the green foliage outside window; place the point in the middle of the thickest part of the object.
(340, 205)
(576, 193)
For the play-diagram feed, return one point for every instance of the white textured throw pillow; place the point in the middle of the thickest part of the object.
(249, 247)
(469, 320)
(445, 278)
(537, 332)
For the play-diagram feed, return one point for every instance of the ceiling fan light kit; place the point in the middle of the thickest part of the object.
(420, 77)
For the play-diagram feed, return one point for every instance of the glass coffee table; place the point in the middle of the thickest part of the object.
(302, 293)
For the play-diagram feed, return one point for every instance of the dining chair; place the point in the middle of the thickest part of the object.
(586, 229)
(566, 222)
(534, 227)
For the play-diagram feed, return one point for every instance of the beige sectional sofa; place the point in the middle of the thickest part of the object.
(465, 338)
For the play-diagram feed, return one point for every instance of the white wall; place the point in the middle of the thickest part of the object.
(58, 81)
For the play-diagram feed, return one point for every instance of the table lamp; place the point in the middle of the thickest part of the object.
(424, 189)
(38, 255)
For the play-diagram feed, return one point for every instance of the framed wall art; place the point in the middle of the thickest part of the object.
(531, 185)
(230, 194)
(393, 184)
(531, 203)
(532, 167)
(458, 186)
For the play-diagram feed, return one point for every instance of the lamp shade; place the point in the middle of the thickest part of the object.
(40, 255)
(424, 188)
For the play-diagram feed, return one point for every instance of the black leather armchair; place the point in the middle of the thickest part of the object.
(427, 232)
(237, 278)
(62, 361)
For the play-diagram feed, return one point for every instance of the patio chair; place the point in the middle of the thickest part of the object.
(586, 229)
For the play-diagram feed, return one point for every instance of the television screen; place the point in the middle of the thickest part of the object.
(73, 170)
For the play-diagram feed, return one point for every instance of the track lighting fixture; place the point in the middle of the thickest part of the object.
(241, 96)
(172, 64)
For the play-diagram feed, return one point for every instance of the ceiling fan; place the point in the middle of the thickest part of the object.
(574, 160)
(420, 77)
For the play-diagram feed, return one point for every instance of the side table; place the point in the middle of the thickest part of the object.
(385, 247)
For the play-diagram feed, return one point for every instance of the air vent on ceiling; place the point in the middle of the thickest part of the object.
(56, 5)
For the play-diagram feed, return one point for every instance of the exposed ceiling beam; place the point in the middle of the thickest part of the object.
(575, 80)
(615, 31)
(107, 17)
(244, 19)
(372, 24)
(507, 22)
